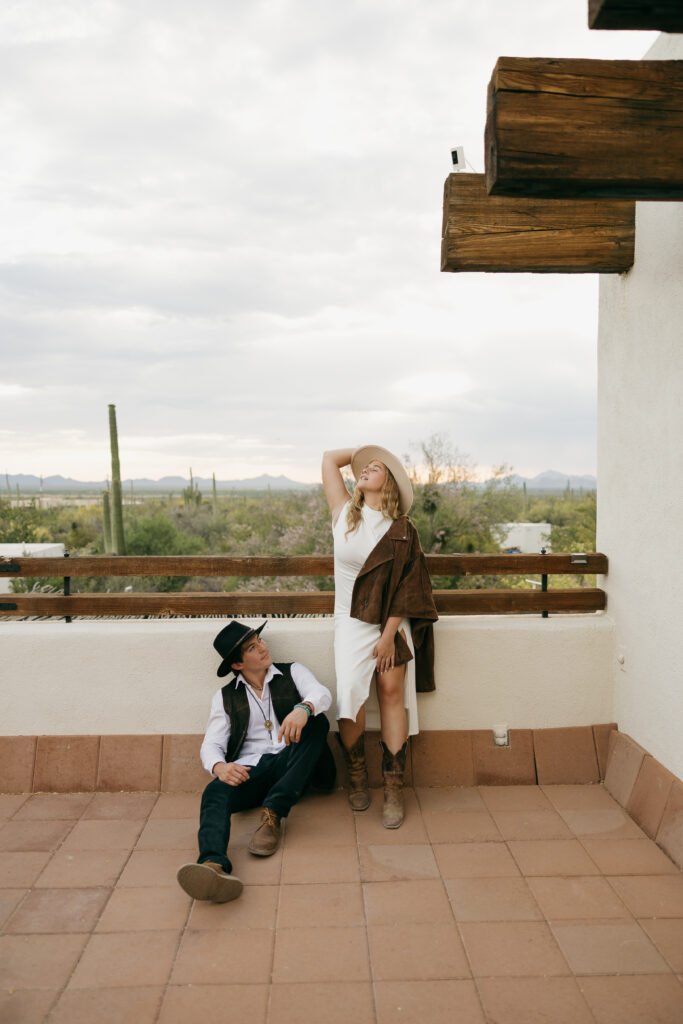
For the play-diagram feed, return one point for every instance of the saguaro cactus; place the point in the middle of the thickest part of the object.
(117, 535)
(106, 522)
(191, 495)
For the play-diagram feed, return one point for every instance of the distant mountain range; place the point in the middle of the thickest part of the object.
(550, 480)
(167, 484)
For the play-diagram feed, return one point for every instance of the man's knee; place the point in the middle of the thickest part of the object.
(318, 726)
(313, 738)
(217, 794)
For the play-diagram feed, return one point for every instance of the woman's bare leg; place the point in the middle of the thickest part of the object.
(392, 712)
(349, 731)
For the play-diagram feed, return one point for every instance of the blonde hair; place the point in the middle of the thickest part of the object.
(389, 503)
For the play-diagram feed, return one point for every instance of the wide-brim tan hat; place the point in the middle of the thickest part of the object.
(367, 452)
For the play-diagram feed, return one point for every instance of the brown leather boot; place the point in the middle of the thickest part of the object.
(357, 771)
(208, 881)
(393, 769)
(266, 838)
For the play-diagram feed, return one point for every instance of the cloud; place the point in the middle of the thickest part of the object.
(15, 391)
(226, 219)
(424, 390)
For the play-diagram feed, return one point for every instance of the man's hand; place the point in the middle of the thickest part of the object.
(384, 652)
(291, 728)
(232, 774)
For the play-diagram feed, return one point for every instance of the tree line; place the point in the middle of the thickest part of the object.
(452, 512)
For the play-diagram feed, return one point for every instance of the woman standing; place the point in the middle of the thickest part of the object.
(383, 615)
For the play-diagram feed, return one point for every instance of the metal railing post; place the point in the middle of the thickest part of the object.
(67, 588)
(544, 585)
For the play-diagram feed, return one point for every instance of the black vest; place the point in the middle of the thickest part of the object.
(283, 694)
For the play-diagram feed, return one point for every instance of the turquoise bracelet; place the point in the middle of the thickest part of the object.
(305, 708)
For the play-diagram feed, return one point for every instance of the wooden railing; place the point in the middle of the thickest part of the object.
(448, 602)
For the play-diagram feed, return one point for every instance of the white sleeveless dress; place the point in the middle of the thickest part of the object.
(354, 640)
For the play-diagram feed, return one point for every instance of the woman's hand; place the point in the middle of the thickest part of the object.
(384, 651)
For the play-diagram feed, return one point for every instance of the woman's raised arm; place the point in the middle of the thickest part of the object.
(333, 481)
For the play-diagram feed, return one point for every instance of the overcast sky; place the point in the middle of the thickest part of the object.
(224, 216)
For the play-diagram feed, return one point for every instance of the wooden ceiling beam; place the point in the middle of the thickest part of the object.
(585, 128)
(658, 15)
(544, 236)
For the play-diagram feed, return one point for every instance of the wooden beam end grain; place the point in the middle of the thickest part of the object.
(579, 128)
(530, 235)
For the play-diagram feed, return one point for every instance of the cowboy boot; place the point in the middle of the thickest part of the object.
(393, 768)
(359, 792)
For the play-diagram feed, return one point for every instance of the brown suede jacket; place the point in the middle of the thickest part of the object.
(394, 581)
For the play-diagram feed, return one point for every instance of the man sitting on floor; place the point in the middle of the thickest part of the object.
(266, 739)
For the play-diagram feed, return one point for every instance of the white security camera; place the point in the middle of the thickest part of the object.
(458, 158)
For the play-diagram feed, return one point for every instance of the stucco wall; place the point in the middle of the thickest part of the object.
(640, 472)
(155, 676)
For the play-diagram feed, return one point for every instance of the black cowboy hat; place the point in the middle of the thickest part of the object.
(229, 641)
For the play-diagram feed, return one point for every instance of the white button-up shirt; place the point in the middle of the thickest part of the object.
(257, 741)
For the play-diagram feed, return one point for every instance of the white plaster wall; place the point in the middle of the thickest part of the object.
(155, 676)
(640, 473)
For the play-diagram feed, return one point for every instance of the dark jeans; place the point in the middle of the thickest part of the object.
(277, 781)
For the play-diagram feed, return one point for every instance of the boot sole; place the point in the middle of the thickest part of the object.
(203, 883)
(263, 853)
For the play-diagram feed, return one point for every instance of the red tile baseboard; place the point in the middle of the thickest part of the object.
(129, 763)
(170, 764)
(566, 756)
(66, 764)
(651, 794)
(513, 765)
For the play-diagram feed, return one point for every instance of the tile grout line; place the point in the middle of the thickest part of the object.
(280, 883)
(183, 930)
(365, 914)
(92, 930)
(97, 764)
(59, 845)
(462, 940)
(33, 764)
(29, 888)
(545, 920)
(165, 987)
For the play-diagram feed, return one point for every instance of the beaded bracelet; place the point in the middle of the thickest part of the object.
(305, 708)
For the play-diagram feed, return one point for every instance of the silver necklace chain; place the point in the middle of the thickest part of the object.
(268, 722)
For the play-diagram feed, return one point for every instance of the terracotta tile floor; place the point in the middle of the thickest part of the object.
(499, 905)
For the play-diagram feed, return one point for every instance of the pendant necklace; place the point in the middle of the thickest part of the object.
(266, 721)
